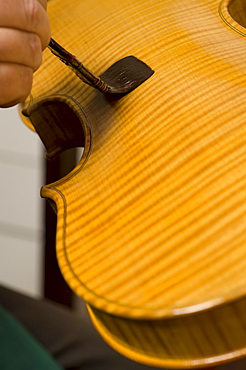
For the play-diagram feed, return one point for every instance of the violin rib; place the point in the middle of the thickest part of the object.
(151, 222)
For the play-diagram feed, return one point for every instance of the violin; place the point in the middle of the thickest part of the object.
(151, 222)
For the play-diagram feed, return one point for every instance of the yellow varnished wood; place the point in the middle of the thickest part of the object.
(151, 223)
(193, 341)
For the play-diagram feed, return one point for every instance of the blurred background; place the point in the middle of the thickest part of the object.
(28, 261)
(21, 226)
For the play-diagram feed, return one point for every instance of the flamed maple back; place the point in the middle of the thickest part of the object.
(151, 222)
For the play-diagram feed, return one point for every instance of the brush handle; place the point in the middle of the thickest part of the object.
(77, 67)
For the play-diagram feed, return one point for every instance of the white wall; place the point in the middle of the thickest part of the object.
(20, 204)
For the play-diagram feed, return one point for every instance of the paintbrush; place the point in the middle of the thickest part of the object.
(121, 78)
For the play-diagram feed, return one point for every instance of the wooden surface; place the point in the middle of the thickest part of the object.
(151, 223)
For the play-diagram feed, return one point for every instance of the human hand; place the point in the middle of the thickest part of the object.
(24, 34)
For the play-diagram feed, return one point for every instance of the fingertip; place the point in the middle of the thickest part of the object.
(16, 83)
(47, 32)
(46, 41)
(46, 36)
(43, 3)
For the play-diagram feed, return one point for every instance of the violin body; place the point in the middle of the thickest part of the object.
(151, 222)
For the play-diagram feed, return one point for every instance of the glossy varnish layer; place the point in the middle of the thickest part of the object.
(151, 223)
(196, 340)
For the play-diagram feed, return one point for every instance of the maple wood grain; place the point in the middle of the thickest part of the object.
(151, 223)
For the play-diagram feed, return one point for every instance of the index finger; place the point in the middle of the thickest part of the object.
(26, 15)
